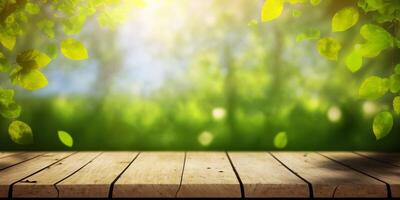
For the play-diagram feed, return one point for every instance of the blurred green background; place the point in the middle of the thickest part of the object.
(202, 75)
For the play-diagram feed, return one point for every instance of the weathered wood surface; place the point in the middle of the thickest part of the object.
(331, 179)
(199, 174)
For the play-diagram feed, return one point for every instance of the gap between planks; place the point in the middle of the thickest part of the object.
(235, 172)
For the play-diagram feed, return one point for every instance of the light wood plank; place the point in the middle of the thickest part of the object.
(17, 158)
(13, 174)
(382, 171)
(330, 179)
(263, 176)
(392, 158)
(95, 179)
(152, 174)
(42, 183)
(208, 174)
(5, 154)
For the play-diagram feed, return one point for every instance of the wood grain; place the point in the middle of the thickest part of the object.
(382, 171)
(208, 174)
(391, 158)
(95, 179)
(42, 183)
(5, 154)
(18, 172)
(330, 179)
(152, 174)
(17, 158)
(264, 176)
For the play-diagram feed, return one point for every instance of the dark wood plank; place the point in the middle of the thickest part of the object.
(385, 172)
(330, 179)
(391, 158)
(18, 172)
(208, 174)
(95, 179)
(42, 184)
(264, 176)
(152, 174)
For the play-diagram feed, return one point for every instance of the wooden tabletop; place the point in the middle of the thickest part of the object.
(199, 174)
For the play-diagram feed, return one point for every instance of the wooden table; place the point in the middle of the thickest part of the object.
(199, 174)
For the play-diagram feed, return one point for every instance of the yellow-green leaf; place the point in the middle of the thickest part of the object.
(73, 49)
(344, 19)
(382, 125)
(354, 61)
(65, 138)
(280, 140)
(396, 105)
(33, 59)
(7, 41)
(32, 80)
(373, 87)
(329, 48)
(271, 10)
(11, 110)
(395, 83)
(20, 132)
(377, 39)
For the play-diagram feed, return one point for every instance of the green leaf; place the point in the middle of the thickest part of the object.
(395, 83)
(329, 48)
(372, 88)
(7, 41)
(315, 2)
(65, 138)
(73, 49)
(32, 59)
(10, 111)
(354, 61)
(271, 10)
(383, 123)
(344, 19)
(309, 34)
(20, 132)
(377, 38)
(371, 5)
(6, 96)
(32, 8)
(396, 105)
(30, 80)
(397, 69)
(280, 140)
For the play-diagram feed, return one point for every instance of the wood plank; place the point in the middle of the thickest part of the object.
(17, 158)
(13, 174)
(385, 172)
(152, 174)
(95, 179)
(330, 179)
(263, 176)
(391, 158)
(208, 174)
(42, 183)
(5, 154)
